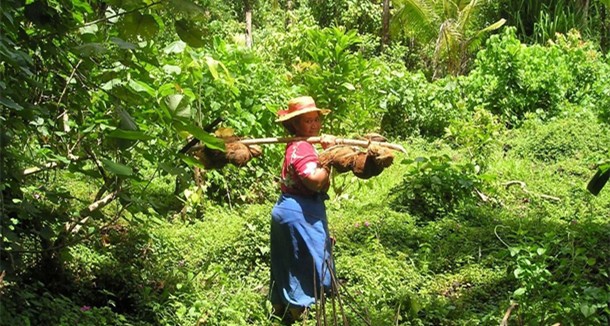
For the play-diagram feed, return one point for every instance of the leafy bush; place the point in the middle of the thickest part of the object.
(576, 136)
(434, 187)
(512, 79)
(415, 107)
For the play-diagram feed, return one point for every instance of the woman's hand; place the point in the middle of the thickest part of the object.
(327, 141)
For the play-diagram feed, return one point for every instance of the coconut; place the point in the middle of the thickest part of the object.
(237, 153)
(339, 157)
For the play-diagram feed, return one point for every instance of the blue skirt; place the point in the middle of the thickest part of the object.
(301, 260)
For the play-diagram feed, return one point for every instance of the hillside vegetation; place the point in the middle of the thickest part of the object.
(486, 220)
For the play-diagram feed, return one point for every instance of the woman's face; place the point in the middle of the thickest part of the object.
(308, 124)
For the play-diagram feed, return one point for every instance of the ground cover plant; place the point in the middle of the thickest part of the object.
(107, 220)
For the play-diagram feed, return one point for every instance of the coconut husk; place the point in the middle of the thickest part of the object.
(339, 157)
(383, 156)
(372, 162)
(235, 153)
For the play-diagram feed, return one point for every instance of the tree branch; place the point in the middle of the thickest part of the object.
(49, 166)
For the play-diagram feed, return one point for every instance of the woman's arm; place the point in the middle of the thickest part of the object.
(318, 180)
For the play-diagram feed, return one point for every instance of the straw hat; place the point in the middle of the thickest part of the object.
(298, 106)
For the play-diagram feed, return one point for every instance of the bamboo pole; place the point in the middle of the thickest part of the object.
(316, 140)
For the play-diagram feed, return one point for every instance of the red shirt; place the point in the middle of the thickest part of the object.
(300, 160)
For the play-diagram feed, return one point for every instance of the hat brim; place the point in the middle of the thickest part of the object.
(289, 116)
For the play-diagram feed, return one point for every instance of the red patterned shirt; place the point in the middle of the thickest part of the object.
(300, 160)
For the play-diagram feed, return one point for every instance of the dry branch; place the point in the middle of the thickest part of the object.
(507, 314)
(524, 188)
(49, 166)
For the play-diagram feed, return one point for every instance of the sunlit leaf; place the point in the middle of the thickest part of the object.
(213, 66)
(140, 86)
(117, 168)
(519, 292)
(178, 105)
(171, 69)
(175, 47)
(191, 161)
(209, 140)
(129, 134)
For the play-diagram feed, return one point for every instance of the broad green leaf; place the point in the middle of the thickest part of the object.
(117, 168)
(135, 24)
(123, 44)
(191, 161)
(126, 122)
(175, 47)
(189, 8)
(129, 134)
(209, 140)
(190, 33)
(140, 86)
(587, 310)
(178, 105)
(90, 49)
(126, 4)
(598, 181)
(519, 292)
(10, 104)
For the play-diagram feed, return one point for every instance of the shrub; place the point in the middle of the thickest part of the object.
(416, 107)
(513, 79)
(434, 187)
(578, 136)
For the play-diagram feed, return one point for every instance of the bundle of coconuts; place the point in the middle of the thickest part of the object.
(235, 153)
(364, 164)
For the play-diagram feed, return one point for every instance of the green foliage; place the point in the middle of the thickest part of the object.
(515, 79)
(454, 29)
(540, 21)
(477, 136)
(436, 186)
(102, 225)
(338, 78)
(577, 136)
(415, 107)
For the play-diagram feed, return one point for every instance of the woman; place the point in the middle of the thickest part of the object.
(301, 261)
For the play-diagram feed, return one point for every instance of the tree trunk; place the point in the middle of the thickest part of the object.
(604, 28)
(248, 24)
(385, 27)
(288, 13)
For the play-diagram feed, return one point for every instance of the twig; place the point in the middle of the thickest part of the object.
(507, 314)
(524, 188)
(86, 213)
(64, 114)
(48, 166)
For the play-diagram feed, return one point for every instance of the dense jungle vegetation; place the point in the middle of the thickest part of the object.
(503, 107)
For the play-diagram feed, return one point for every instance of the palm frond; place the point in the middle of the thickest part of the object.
(415, 17)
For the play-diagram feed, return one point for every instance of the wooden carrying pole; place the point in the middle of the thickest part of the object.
(316, 140)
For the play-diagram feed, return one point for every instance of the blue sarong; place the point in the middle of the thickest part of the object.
(301, 260)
